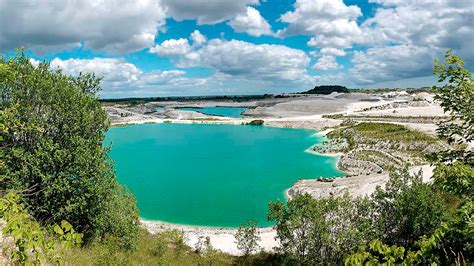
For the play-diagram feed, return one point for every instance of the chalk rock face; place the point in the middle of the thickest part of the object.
(357, 167)
(309, 186)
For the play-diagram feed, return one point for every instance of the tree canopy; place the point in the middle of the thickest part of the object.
(53, 151)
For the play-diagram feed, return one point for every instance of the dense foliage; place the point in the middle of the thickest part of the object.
(52, 150)
(313, 231)
(326, 89)
(406, 209)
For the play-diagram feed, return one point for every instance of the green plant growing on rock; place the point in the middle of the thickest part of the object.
(30, 243)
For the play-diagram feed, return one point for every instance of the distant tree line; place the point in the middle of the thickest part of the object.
(236, 98)
(326, 89)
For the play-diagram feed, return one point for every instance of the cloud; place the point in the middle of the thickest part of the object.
(408, 35)
(197, 38)
(333, 52)
(391, 63)
(113, 26)
(331, 22)
(433, 24)
(252, 61)
(206, 12)
(112, 69)
(118, 74)
(172, 47)
(158, 77)
(251, 22)
(326, 62)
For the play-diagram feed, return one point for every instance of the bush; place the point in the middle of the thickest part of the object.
(257, 122)
(406, 209)
(54, 150)
(315, 231)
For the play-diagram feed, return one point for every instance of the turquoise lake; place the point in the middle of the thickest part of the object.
(212, 175)
(219, 111)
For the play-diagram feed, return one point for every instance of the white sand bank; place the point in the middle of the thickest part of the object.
(221, 238)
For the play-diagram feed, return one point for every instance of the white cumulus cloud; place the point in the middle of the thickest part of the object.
(333, 51)
(252, 61)
(121, 78)
(172, 47)
(251, 22)
(331, 22)
(408, 35)
(434, 24)
(392, 63)
(198, 38)
(326, 62)
(112, 69)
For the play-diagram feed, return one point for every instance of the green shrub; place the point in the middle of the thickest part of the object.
(30, 243)
(257, 122)
(54, 150)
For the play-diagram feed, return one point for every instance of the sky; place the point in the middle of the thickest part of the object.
(196, 47)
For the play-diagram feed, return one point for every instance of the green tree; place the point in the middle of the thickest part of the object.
(454, 171)
(455, 178)
(247, 238)
(457, 99)
(55, 151)
(313, 231)
(406, 209)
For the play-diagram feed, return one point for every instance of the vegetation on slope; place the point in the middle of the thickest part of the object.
(384, 145)
(52, 152)
(165, 248)
(319, 231)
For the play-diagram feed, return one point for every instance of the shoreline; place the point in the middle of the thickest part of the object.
(221, 238)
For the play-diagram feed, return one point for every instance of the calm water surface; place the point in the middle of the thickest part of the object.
(219, 111)
(213, 175)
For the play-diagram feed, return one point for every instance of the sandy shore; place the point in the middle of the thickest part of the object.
(303, 112)
(221, 238)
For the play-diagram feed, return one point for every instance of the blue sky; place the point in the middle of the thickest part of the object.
(195, 47)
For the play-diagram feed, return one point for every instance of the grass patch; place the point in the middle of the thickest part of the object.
(373, 141)
(391, 132)
(166, 248)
